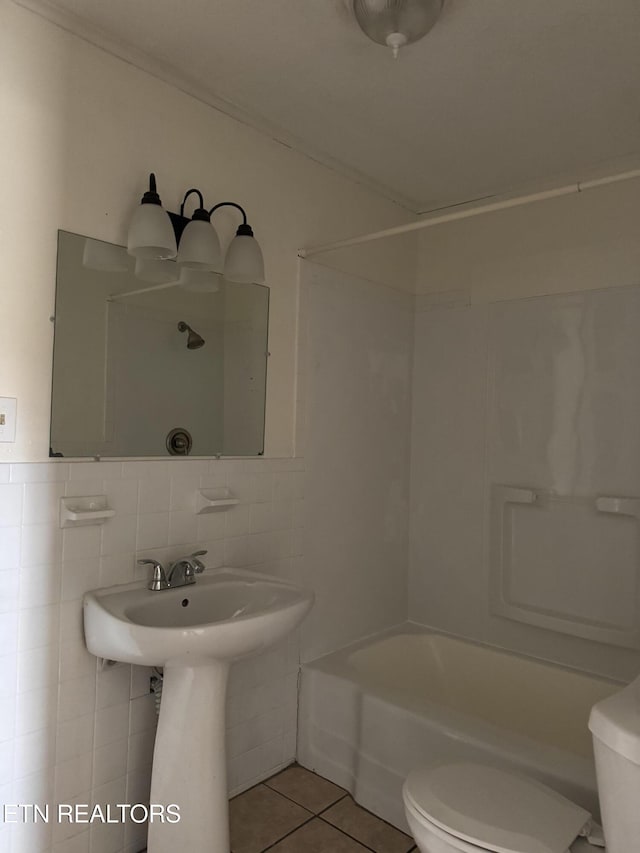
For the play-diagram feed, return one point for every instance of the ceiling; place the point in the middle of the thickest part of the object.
(499, 95)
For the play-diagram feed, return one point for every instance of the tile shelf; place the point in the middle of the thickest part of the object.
(215, 500)
(602, 503)
(83, 511)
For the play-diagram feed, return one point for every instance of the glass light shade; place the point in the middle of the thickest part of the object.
(151, 234)
(396, 22)
(104, 257)
(157, 272)
(200, 281)
(244, 263)
(200, 247)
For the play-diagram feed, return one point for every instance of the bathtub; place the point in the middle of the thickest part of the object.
(372, 712)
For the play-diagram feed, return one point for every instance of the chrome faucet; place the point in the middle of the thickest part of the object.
(186, 568)
(158, 579)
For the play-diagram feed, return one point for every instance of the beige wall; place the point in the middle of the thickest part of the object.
(81, 131)
(579, 242)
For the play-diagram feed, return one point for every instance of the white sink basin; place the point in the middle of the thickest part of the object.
(194, 632)
(226, 614)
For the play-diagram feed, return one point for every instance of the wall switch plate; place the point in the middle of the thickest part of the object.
(8, 408)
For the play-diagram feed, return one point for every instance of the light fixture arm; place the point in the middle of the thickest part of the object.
(230, 204)
(198, 214)
(244, 230)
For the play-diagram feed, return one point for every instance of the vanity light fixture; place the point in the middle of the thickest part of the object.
(243, 263)
(193, 242)
(151, 233)
(199, 246)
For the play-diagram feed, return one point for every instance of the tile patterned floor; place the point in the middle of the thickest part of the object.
(297, 811)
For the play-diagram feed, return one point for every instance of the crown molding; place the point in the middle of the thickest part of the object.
(169, 74)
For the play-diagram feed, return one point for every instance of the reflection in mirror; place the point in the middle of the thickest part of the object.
(146, 363)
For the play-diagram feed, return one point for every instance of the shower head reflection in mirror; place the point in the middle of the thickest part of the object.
(194, 340)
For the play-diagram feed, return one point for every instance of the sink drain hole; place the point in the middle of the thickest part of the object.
(185, 602)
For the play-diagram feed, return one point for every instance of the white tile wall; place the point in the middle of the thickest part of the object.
(70, 732)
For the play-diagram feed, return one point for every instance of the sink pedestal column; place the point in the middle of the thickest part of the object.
(189, 761)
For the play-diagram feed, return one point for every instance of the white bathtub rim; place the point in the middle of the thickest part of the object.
(451, 721)
(418, 628)
(454, 724)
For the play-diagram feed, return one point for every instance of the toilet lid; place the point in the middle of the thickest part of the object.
(495, 809)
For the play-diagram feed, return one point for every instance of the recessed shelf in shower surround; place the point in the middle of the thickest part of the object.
(82, 511)
(215, 500)
(568, 563)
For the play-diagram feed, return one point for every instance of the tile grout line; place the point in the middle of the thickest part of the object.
(313, 815)
(295, 802)
(265, 784)
(319, 815)
(381, 819)
(351, 837)
(331, 805)
(291, 832)
(326, 822)
(358, 840)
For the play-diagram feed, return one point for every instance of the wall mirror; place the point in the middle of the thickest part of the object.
(148, 365)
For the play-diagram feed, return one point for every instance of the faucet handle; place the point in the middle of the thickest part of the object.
(158, 579)
(198, 565)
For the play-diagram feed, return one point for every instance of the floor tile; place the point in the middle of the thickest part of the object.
(306, 788)
(260, 817)
(367, 828)
(318, 837)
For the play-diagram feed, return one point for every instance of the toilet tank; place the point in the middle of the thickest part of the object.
(615, 726)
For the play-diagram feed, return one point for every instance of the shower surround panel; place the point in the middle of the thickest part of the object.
(355, 361)
(540, 396)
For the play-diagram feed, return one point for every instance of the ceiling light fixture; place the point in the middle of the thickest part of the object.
(396, 23)
(157, 235)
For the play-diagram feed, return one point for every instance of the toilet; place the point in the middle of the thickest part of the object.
(466, 807)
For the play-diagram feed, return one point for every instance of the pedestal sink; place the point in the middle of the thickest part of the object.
(194, 632)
